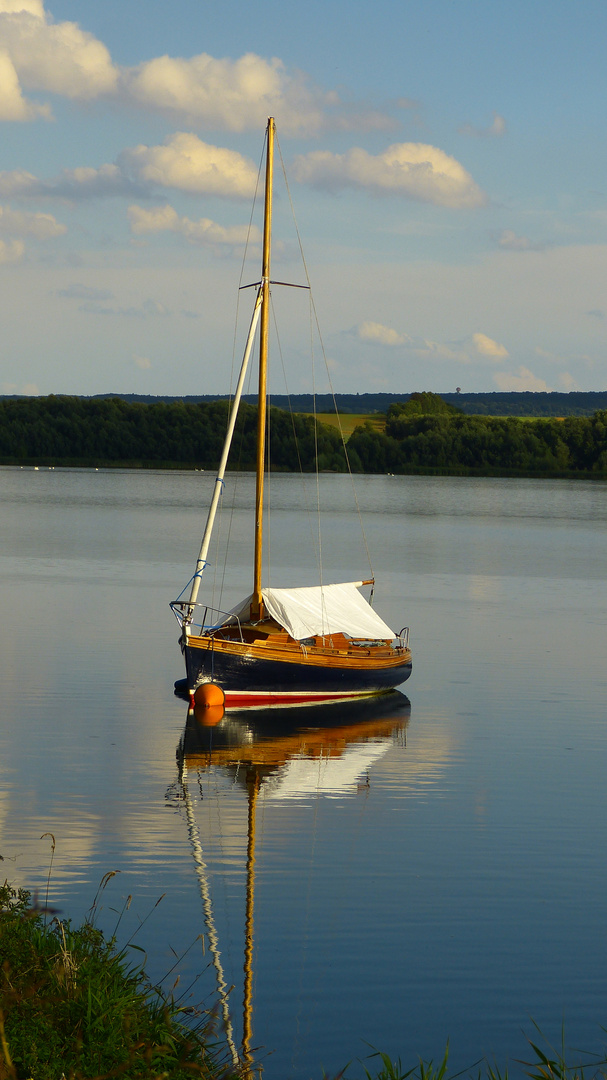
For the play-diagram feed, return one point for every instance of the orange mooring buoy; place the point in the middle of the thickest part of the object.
(209, 694)
(209, 715)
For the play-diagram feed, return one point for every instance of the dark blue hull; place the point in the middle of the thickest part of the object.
(248, 679)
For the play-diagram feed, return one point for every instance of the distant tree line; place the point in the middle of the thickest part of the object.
(495, 403)
(423, 434)
(109, 431)
(427, 434)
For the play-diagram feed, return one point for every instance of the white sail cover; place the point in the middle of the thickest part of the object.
(323, 609)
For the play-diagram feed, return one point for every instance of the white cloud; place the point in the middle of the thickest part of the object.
(11, 252)
(18, 182)
(29, 389)
(522, 380)
(509, 240)
(489, 348)
(382, 335)
(545, 354)
(414, 170)
(567, 382)
(223, 93)
(59, 58)
(78, 291)
(87, 182)
(31, 7)
(185, 162)
(149, 309)
(461, 352)
(204, 231)
(495, 129)
(39, 226)
(37, 53)
(13, 106)
(436, 350)
(84, 182)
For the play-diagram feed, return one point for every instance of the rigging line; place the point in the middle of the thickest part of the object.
(205, 894)
(218, 543)
(315, 415)
(296, 444)
(313, 306)
(234, 340)
(244, 256)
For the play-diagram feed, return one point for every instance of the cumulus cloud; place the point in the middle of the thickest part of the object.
(462, 352)
(18, 182)
(30, 7)
(78, 291)
(204, 231)
(38, 226)
(413, 170)
(379, 334)
(523, 379)
(567, 382)
(71, 184)
(59, 58)
(437, 350)
(149, 309)
(39, 54)
(184, 162)
(546, 354)
(13, 105)
(489, 348)
(495, 129)
(11, 252)
(232, 94)
(509, 240)
(29, 389)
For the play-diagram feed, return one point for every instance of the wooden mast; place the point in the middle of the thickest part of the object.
(257, 602)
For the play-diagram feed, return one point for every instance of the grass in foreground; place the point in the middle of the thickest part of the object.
(71, 1007)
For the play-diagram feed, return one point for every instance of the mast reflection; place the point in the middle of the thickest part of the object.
(279, 754)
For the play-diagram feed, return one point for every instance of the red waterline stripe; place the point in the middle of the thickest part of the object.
(243, 699)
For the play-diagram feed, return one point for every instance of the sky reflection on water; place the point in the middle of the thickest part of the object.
(453, 885)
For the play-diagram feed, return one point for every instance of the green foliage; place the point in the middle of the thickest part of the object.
(109, 431)
(424, 404)
(417, 441)
(70, 1006)
(422, 434)
(546, 1064)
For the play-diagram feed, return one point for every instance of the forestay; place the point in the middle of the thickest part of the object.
(323, 609)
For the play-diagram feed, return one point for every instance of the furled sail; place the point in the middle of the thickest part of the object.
(323, 609)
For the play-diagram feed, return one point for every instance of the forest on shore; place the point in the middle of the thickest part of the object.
(492, 403)
(424, 434)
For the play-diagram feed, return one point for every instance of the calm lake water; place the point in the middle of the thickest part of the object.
(434, 868)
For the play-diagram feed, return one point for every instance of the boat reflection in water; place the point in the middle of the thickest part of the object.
(278, 754)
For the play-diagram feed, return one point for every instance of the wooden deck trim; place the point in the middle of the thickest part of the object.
(290, 652)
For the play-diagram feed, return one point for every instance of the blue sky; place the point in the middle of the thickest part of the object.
(447, 162)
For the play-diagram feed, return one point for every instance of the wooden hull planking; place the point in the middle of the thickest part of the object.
(285, 672)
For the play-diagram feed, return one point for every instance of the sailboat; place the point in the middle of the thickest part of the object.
(286, 646)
